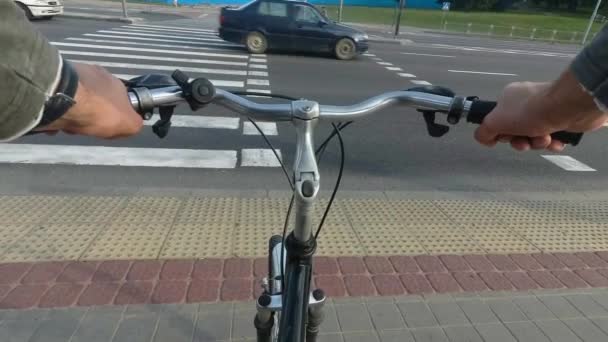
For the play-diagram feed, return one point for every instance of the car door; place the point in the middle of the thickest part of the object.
(273, 21)
(308, 29)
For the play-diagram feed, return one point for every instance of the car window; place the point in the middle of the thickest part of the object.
(306, 14)
(275, 9)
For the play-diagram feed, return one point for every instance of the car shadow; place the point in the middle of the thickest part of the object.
(320, 55)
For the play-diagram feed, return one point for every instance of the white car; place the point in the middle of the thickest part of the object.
(40, 8)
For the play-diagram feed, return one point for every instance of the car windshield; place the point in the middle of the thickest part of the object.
(245, 5)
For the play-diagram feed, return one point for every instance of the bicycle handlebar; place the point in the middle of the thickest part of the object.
(145, 100)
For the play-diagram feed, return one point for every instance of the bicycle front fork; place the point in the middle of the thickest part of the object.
(300, 316)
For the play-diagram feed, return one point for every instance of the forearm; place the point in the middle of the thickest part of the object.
(29, 72)
(591, 68)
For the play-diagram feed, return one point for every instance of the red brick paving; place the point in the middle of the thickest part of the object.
(60, 284)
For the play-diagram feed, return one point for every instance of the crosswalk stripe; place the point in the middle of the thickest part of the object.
(258, 82)
(262, 91)
(419, 82)
(122, 42)
(160, 35)
(402, 74)
(217, 83)
(171, 27)
(394, 68)
(268, 128)
(195, 121)
(153, 58)
(257, 73)
(160, 40)
(178, 34)
(162, 67)
(258, 66)
(117, 156)
(174, 52)
(257, 60)
(259, 157)
(568, 163)
(208, 32)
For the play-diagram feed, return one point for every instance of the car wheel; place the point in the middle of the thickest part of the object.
(256, 42)
(27, 11)
(345, 49)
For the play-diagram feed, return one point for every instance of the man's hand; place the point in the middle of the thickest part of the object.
(102, 107)
(527, 113)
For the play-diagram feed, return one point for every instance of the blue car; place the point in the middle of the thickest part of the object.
(289, 25)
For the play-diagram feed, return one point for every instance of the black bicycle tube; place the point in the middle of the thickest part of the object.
(296, 293)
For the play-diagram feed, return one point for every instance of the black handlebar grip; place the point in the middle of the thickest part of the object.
(479, 110)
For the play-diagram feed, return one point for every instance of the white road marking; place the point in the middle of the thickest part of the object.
(568, 163)
(195, 121)
(259, 55)
(418, 82)
(121, 33)
(117, 156)
(183, 35)
(268, 128)
(172, 27)
(160, 40)
(203, 15)
(369, 55)
(217, 83)
(122, 42)
(385, 63)
(377, 59)
(482, 72)
(253, 81)
(155, 29)
(263, 91)
(402, 74)
(394, 69)
(426, 54)
(259, 157)
(258, 66)
(258, 60)
(257, 73)
(163, 67)
(174, 52)
(151, 58)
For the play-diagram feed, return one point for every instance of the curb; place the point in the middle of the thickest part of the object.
(101, 17)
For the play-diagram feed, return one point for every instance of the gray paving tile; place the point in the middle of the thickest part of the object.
(353, 317)
(97, 326)
(330, 338)
(138, 328)
(533, 308)
(182, 309)
(586, 330)
(557, 331)
(216, 307)
(601, 299)
(506, 310)
(477, 311)
(242, 324)
(417, 314)
(602, 323)
(560, 307)
(330, 322)
(144, 308)
(585, 304)
(495, 332)
(27, 315)
(176, 325)
(213, 326)
(462, 333)
(18, 330)
(435, 334)
(67, 313)
(107, 309)
(448, 313)
(364, 336)
(385, 316)
(526, 331)
(402, 335)
(55, 330)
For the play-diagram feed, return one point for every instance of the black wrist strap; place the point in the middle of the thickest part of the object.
(63, 99)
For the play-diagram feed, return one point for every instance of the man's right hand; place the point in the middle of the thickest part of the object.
(527, 113)
(102, 107)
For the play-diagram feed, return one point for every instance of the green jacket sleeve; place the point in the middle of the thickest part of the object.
(591, 68)
(29, 72)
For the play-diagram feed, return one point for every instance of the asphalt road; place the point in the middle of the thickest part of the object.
(389, 151)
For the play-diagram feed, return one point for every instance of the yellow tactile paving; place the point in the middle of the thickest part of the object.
(133, 227)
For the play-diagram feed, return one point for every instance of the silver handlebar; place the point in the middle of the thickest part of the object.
(153, 98)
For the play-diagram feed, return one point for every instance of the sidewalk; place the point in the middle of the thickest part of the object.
(567, 316)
